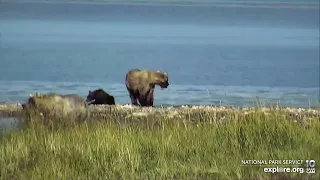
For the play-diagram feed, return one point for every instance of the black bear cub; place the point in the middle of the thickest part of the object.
(99, 96)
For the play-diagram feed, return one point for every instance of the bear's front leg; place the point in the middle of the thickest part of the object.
(142, 100)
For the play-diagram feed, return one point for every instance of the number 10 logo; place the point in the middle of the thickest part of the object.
(311, 166)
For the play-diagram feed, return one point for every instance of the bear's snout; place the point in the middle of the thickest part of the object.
(90, 101)
(164, 85)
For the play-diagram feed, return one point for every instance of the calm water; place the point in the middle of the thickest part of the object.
(214, 54)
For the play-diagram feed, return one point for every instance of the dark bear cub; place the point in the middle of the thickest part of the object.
(99, 96)
(141, 83)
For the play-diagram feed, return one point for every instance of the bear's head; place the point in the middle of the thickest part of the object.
(31, 101)
(162, 79)
(91, 98)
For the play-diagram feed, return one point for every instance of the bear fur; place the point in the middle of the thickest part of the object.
(141, 83)
(99, 96)
(57, 106)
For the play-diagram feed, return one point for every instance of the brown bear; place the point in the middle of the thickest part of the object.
(141, 83)
(99, 96)
(58, 106)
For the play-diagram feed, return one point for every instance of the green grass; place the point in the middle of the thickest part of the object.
(196, 147)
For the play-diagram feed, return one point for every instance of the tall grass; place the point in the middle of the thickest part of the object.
(195, 147)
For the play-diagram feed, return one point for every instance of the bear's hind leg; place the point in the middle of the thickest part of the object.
(149, 101)
(134, 100)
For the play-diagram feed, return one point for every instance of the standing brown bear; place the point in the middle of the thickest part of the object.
(141, 84)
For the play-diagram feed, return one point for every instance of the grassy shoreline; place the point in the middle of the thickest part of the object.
(197, 145)
(16, 109)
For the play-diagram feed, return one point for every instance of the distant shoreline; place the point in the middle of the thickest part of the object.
(248, 4)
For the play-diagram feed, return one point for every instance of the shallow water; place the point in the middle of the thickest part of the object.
(214, 54)
(7, 123)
